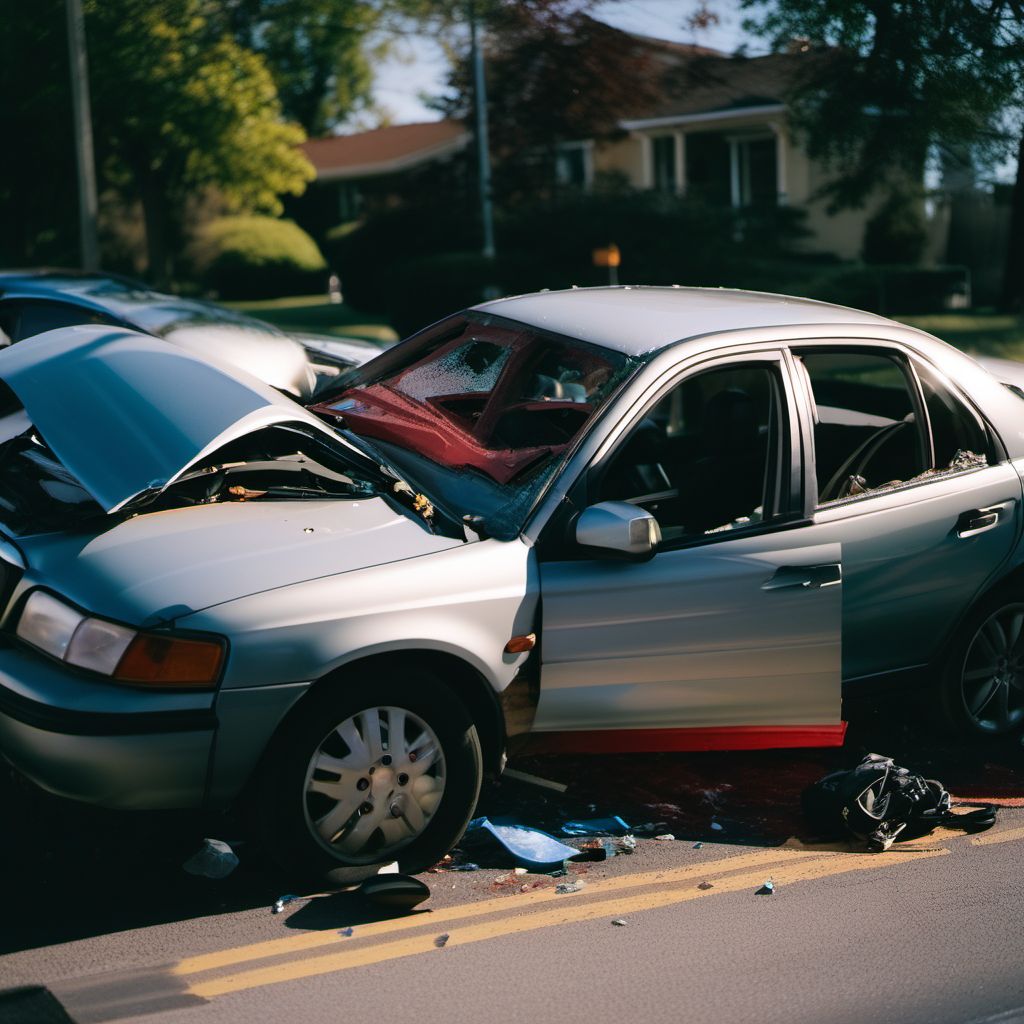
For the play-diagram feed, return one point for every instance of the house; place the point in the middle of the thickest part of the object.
(718, 129)
(373, 168)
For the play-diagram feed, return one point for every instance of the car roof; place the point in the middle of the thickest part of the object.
(639, 319)
(131, 301)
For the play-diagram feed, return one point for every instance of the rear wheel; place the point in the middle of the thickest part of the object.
(368, 772)
(983, 686)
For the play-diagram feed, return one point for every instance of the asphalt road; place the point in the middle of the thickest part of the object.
(96, 908)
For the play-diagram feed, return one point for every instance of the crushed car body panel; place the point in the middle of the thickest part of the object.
(210, 554)
(126, 414)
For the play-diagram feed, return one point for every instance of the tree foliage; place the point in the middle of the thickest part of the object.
(178, 107)
(895, 78)
(554, 74)
(315, 49)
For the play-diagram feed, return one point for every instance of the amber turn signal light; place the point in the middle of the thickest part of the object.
(170, 661)
(521, 644)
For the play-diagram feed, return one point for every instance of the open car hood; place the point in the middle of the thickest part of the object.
(126, 413)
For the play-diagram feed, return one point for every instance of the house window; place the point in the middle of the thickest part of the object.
(708, 167)
(572, 165)
(663, 159)
(350, 201)
(731, 171)
(756, 172)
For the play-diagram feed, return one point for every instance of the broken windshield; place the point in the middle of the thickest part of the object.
(480, 408)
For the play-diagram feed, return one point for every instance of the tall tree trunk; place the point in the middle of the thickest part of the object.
(1013, 275)
(154, 217)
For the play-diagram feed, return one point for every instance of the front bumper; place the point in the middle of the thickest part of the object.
(102, 743)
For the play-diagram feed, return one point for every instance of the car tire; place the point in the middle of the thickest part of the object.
(340, 748)
(982, 690)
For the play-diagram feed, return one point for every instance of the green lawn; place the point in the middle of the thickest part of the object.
(316, 315)
(985, 334)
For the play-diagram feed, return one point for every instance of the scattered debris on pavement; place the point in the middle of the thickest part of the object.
(706, 885)
(528, 847)
(621, 922)
(214, 859)
(698, 845)
(768, 889)
(394, 891)
(347, 932)
(565, 888)
(533, 780)
(665, 837)
(613, 826)
(282, 901)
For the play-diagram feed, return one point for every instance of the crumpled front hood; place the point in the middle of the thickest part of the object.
(164, 565)
(125, 413)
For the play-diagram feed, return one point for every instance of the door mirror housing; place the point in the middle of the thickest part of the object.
(618, 529)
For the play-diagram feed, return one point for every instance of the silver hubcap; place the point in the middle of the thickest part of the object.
(993, 673)
(374, 784)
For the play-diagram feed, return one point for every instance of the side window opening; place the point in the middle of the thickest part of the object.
(960, 440)
(869, 434)
(703, 459)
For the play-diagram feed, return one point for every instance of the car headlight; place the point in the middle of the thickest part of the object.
(120, 652)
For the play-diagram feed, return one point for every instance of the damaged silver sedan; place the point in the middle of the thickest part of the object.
(597, 520)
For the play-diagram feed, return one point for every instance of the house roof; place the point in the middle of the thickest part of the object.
(384, 150)
(706, 84)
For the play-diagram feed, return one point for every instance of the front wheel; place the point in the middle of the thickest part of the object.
(983, 684)
(370, 771)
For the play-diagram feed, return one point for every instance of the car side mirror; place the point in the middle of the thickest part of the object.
(616, 528)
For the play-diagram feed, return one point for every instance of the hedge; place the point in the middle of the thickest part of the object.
(252, 257)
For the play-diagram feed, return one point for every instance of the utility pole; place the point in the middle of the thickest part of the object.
(87, 205)
(482, 141)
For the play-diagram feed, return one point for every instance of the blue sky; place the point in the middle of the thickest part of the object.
(418, 65)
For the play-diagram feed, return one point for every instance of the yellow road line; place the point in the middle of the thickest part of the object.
(513, 904)
(568, 911)
(1003, 836)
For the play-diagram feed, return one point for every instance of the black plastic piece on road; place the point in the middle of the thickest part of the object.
(31, 1004)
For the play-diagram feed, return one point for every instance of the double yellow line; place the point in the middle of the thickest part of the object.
(608, 898)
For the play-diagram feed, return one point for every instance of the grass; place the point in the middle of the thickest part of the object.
(315, 314)
(979, 333)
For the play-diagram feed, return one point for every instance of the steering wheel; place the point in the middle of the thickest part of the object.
(857, 463)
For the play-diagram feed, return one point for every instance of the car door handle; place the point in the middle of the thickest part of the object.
(978, 520)
(807, 577)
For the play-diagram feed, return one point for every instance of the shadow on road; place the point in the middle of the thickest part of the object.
(72, 871)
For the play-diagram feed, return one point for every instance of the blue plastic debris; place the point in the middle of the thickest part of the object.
(614, 826)
(698, 845)
(528, 847)
(716, 826)
(767, 889)
(468, 866)
(347, 932)
(282, 901)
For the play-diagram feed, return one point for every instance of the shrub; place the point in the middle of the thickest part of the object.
(896, 233)
(252, 257)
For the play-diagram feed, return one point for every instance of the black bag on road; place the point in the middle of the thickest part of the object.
(878, 801)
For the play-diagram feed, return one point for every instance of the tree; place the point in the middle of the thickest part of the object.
(894, 80)
(554, 74)
(179, 108)
(316, 51)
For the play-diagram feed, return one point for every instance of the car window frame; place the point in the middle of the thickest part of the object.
(19, 302)
(909, 358)
(556, 542)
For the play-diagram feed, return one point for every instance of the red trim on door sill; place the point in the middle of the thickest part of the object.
(735, 737)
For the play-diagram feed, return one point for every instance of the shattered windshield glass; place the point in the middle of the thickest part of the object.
(480, 410)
